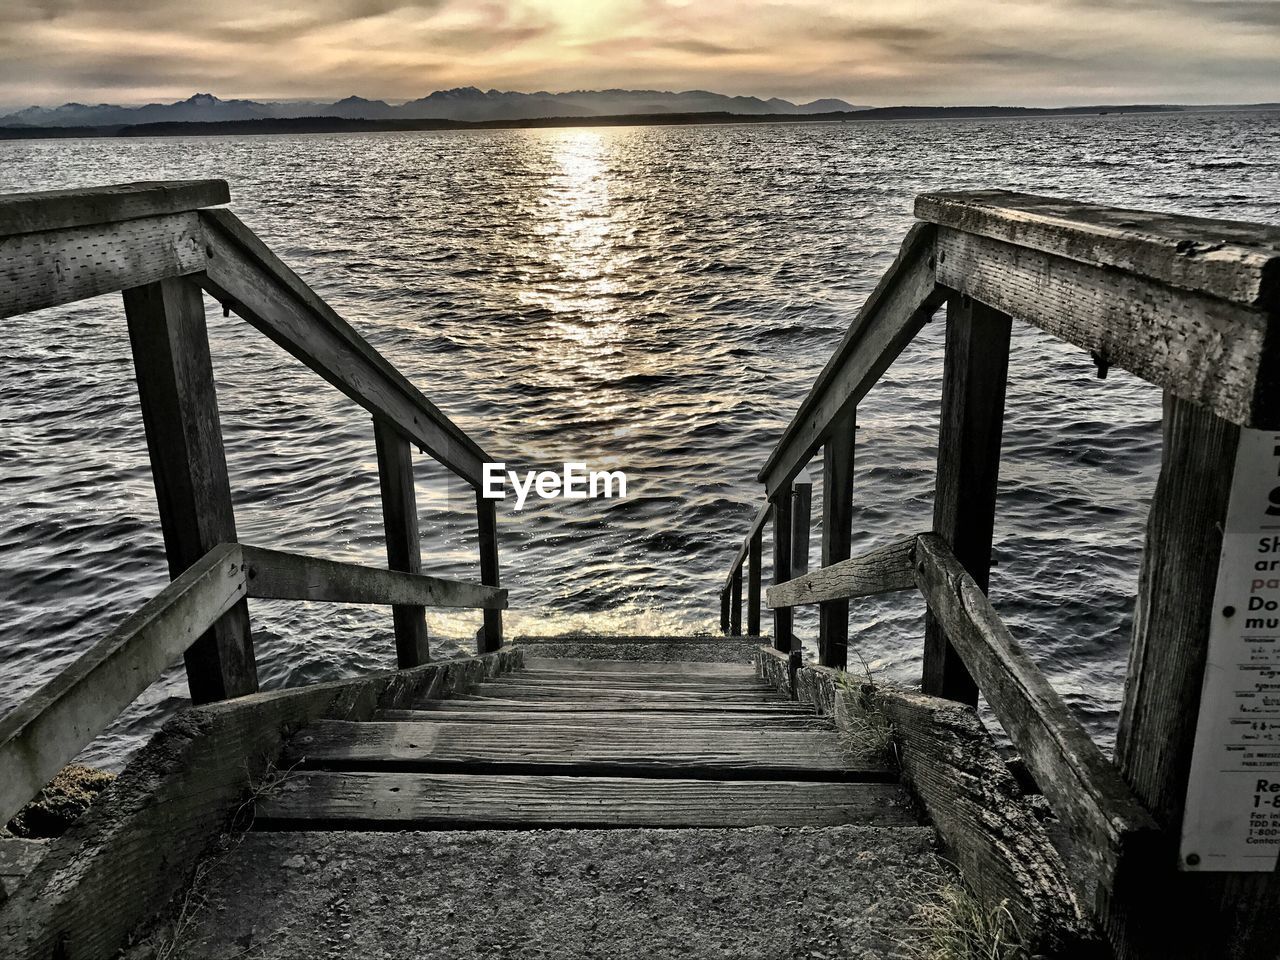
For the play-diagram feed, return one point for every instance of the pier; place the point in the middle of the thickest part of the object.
(730, 797)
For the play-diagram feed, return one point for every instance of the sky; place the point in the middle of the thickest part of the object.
(877, 52)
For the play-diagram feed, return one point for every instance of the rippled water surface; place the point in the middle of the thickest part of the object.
(656, 300)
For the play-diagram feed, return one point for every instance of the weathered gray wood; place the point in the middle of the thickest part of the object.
(244, 274)
(1085, 790)
(801, 523)
(487, 525)
(837, 532)
(735, 604)
(432, 801)
(188, 465)
(902, 302)
(619, 682)
(618, 695)
(995, 838)
(400, 529)
(975, 370)
(665, 649)
(881, 570)
(755, 545)
(734, 754)
(1212, 352)
(602, 719)
(1223, 258)
(50, 727)
(1159, 910)
(484, 702)
(535, 665)
(140, 842)
(724, 611)
(85, 206)
(783, 637)
(39, 270)
(18, 857)
(276, 575)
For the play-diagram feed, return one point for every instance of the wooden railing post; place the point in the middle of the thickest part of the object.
(735, 604)
(404, 552)
(782, 618)
(487, 521)
(837, 531)
(724, 611)
(171, 359)
(975, 368)
(1162, 912)
(801, 523)
(753, 583)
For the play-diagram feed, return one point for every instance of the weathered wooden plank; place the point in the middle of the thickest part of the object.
(602, 719)
(783, 638)
(1158, 910)
(618, 682)
(277, 575)
(1223, 258)
(683, 668)
(487, 527)
(140, 843)
(707, 649)
(18, 857)
(801, 522)
(39, 270)
(50, 727)
(1214, 353)
(724, 611)
(881, 570)
(471, 701)
(1085, 790)
(837, 533)
(755, 544)
(974, 373)
(495, 748)
(244, 274)
(735, 603)
(550, 691)
(47, 210)
(902, 302)
(188, 465)
(400, 530)
(318, 799)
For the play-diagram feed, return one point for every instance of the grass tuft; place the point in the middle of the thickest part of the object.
(866, 732)
(957, 926)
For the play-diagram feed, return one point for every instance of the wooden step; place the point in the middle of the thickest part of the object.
(604, 718)
(621, 682)
(511, 690)
(673, 668)
(751, 707)
(390, 801)
(637, 751)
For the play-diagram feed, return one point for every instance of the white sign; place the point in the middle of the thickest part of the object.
(1232, 819)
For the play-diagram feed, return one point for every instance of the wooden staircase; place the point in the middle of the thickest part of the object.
(575, 743)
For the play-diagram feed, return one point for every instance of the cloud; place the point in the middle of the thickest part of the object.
(867, 51)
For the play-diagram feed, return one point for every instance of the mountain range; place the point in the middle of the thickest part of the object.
(461, 103)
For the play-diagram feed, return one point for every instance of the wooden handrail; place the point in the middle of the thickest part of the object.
(882, 570)
(277, 575)
(64, 209)
(902, 302)
(757, 524)
(249, 279)
(50, 727)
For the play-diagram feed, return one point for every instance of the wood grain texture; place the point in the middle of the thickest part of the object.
(783, 637)
(1223, 258)
(602, 718)
(139, 842)
(755, 548)
(48, 210)
(388, 801)
(50, 727)
(188, 466)
(39, 270)
(1086, 791)
(277, 575)
(902, 302)
(837, 533)
(568, 694)
(495, 748)
(1158, 910)
(536, 666)
(400, 531)
(801, 523)
(974, 373)
(18, 857)
(1214, 353)
(877, 571)
(244, 274)
(487, 527)
(471, 701)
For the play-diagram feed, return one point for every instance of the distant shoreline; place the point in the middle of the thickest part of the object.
(297, 125)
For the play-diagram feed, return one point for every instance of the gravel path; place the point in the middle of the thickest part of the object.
(760, 893)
